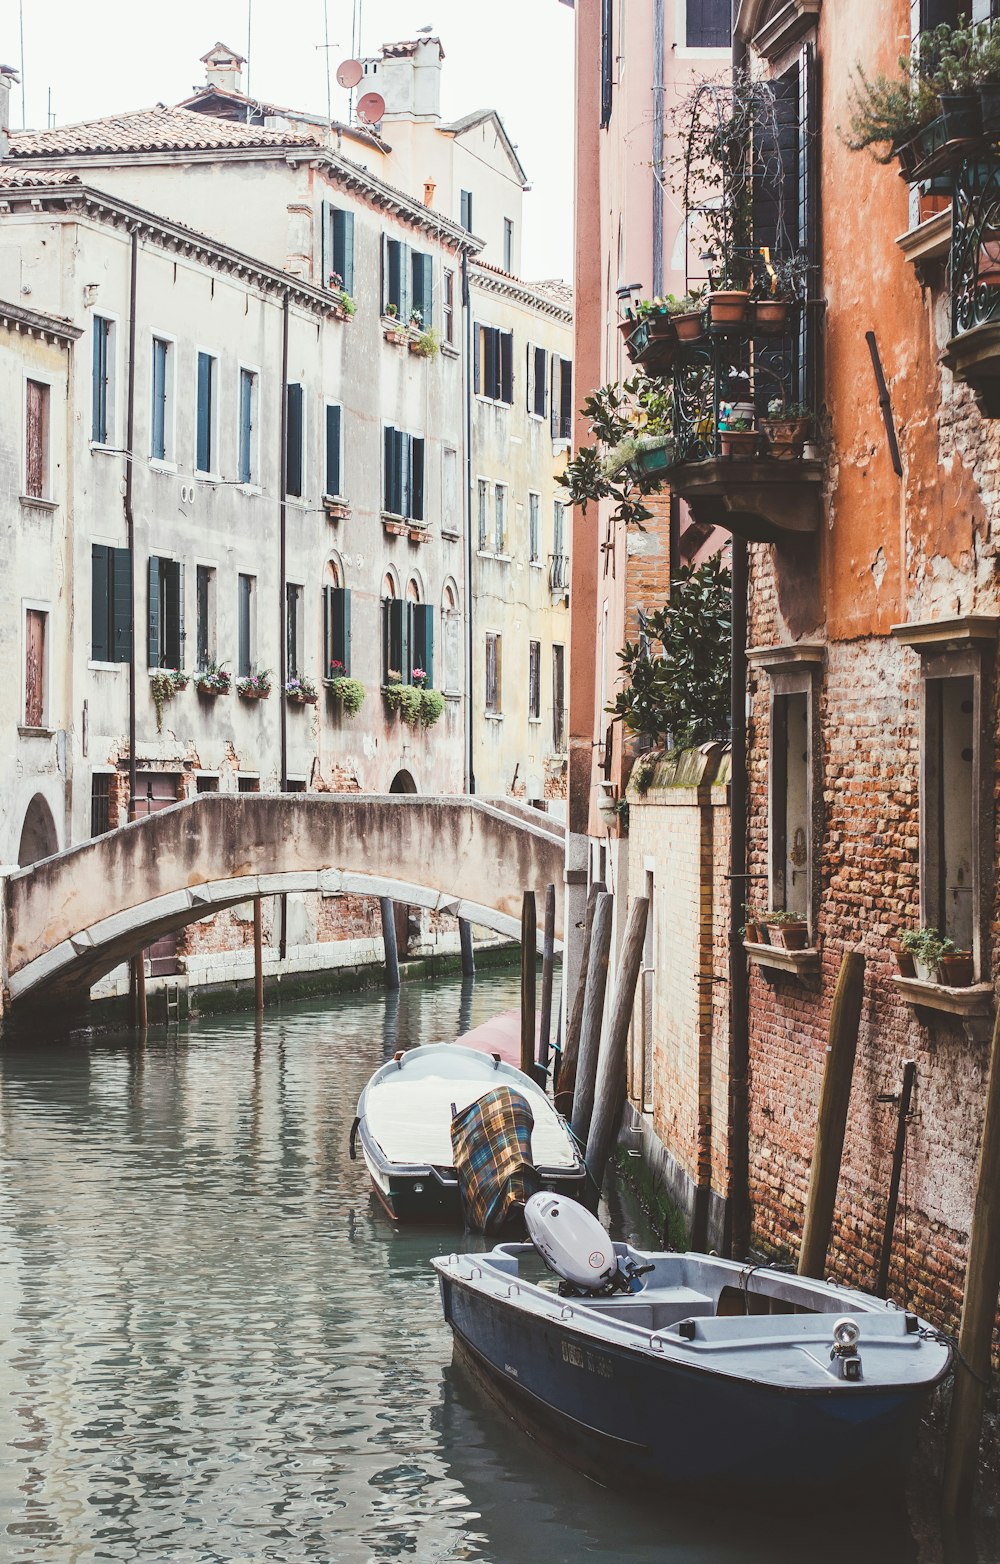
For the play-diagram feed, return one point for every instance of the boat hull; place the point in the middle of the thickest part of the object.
(420, 1195)
(630, 1420)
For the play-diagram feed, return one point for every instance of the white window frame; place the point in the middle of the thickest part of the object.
(215, 471)
(39, 606)
(168, 461)
(535, 559)
(253, 486)
(112, 441)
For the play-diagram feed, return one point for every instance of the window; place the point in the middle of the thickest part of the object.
(248, 426)
(205, 782)
(465, 209)
(338, 249)
(293, 630)
(508, 245)
(393, 635)
(102, 420)
(407, 283)
(110, 604)
(537, 381)
(407, 640)
(421, 638)
(336, 630)
(708, 24)
(559, 699)
(100, 803)
(559, 573)
(562, 398)
(483, 490)
(403, 488)
(294, 439)
(245, 784)
(205, 615)
(162, 411)
(450, 514)
(333, 450)
(449, 307)
(948, 816)
(451, 639)
(493, 672)
(36, 440)
(165, 613)
(208, 368)
(247, 626)
(534, 528)
(500, 518)
(494, 363)
(790, 802)
(35, 636)
(607, 60)
(534, 681)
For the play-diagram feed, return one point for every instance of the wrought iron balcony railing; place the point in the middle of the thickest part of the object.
(558, 572)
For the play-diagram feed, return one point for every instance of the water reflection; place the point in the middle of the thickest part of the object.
(215, 1346)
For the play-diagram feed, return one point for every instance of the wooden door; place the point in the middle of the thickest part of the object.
(34, 668)
(36, 439)
(156, 790)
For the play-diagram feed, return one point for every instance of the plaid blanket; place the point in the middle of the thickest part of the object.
(491, 1141)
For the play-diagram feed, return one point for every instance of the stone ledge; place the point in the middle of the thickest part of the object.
(974, 1000)
(800, 963)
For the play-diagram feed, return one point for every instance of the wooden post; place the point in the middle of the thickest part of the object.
(388, 911)
(905, 1093)
(835, 1096)
(982, 1283)
(593, 1016)
(610, 1090)
(528, 938)
(565, 1081)
(258, 956)
(139, 978)
(465, 939)
(548, 962)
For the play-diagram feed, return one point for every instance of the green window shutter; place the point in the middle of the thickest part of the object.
(423, 287)
(153, 612)
(396, 639)
(390, 485)
(204, 439)
(293, 441)
(477, 378)
(424, 623)
(333, 478)
(346, 628)
(342, 247)
(99, 419)
(325, 248)
(158, 443)
(100, 603)
(405, 282)
(173, 638)
(327, 632)
(506, 344)
(416, 480)
(121, 607)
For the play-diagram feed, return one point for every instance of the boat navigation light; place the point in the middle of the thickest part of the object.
(846, 1332)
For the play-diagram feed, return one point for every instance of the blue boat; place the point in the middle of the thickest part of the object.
(709, 1374)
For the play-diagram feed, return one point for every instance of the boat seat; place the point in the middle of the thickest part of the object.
(655, 1308)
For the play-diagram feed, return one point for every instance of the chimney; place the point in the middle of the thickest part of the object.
(8, 76)
(223, 68)
(408, 75)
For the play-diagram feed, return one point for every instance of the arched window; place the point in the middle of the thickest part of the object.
(392, 631)
(451, 640)
(336, 622)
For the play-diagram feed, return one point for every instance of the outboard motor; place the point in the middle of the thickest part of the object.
(573, 1243)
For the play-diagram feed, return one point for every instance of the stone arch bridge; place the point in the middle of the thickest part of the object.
(69, 919)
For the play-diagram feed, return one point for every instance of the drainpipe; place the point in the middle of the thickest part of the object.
(282, 568)
(739, 986)
(658, 92)
(129, 515)
(470, 774)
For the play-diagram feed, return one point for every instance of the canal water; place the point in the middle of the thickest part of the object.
(215, 1348)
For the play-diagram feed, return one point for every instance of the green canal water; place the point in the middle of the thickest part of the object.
(215, 1348)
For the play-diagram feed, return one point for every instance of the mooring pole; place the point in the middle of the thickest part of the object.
(258, 956)
(548, 963)
(565, 1078)
(139, 970)
(593, 1016)
(387, 909)
(831, 1125)
(903, 1100)
(465, 940)
(612, 1081)
(982, 1283)
(528, 941)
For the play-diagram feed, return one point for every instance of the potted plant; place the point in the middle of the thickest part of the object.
(300, 691)
(957, 968)
(163, 686)
(686, 315)
(788, 930)
(738, 438)
(891, 118)
(728, 304)
(776, 291)
(391, 311)
(926, 946)
(786, 427)
(426, 343)
(754, 930)
(214, 679)
(254, 686)
(902, 949)
(347, 692)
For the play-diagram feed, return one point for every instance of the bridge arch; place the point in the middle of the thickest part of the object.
(39, 837)
(403, 782)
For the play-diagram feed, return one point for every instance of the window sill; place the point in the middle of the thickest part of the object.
(492, 401)
(536, 564)
(966, 1003)
(102, 448)
(36, 502)
(800, 963)
(493, 716)
(448, 350)
(452, 695)
(535, 721)
(501, 559)
(99, 667)
(447, 532)
(35, 733)
(208, 477)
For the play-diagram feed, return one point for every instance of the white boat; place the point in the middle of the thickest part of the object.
(404, 1128)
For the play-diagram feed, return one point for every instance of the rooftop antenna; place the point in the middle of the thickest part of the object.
(50, 117)
(249, 31)
(355, 51)
(24, 112)
(326, 46)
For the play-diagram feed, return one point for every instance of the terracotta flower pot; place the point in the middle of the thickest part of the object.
(689, 327)
(728, 306)
(904, 961)
(771, 314)
(957, 969)
(739, 443)
(785, 436)
(789, 936)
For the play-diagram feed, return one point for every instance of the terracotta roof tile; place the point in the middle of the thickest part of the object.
(35, 178)
(407, 47)
(160, 129)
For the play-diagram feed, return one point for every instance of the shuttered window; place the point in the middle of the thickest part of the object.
(484, 500)
(559, 699)
(110, 604)
(449, 307)
(294, 439)
(102, 410)
(708, 24)
(100, 803)
(165, 613)
(403, 475)
(338, 249)
(536, 380)
(161, 434)
(333, 449)
(508, 245)
(246, 649)
(422, 290)
(562, 398)
(465, 210)
(534, 528)
(407, 283)
(535, 680)
(494, 363)
(394, 641)
(35, 635)
(500, 518)
(36, 440)
(421, 642)
(493, 672)
(207, 374)
(607, 60)
(248, 426)
(336, 631)
(205, 615)
(293, 630)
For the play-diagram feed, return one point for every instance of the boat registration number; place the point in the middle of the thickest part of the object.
(583, 1358)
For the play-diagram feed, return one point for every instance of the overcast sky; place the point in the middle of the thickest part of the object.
(102, 56)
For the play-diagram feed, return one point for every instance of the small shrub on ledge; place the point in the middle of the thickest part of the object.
(787, 930)
(426, 344)
(163, 686)
(928, 955)
(347, 692)
(301, 691)
(418, 707)
(215, 679)
(254, 686)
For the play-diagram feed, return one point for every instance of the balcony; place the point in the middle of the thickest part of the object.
(559, 575)
(738, 449)
(973, 353)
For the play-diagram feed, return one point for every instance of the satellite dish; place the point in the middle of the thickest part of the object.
(350, 73)
(371, 108)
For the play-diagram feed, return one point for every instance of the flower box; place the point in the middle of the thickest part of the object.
(739, 443)
(254, 687)
(419, 535)
(791, 934)
(395, 332)
(336, 509)
(395, 527)
(300, 691)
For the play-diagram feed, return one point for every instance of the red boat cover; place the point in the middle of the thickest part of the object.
(491, 1141)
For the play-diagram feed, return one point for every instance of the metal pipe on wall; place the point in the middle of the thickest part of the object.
(739, 985)
(282, 606)
(658, 91)
(470, 773)
(129, 512)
